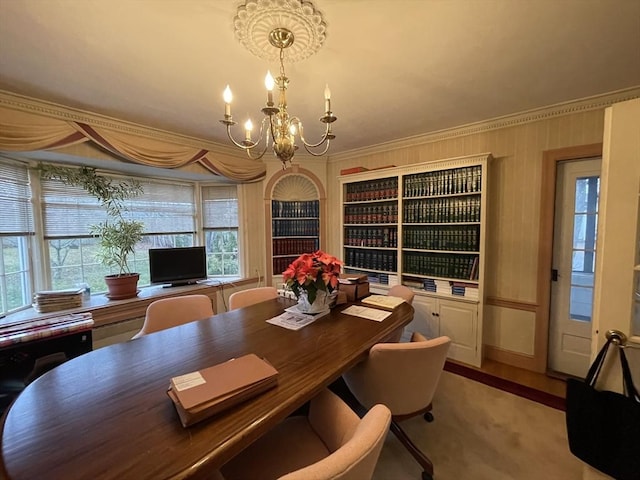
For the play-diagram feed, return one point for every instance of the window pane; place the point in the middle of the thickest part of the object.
(587, 192)
(73, 260)
(222, 253)
(15, 281)
(581, 303)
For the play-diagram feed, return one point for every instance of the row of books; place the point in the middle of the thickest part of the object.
(459, 237)
(372, 259)
(443, 182)
(443, 210)
(293, 246)
(371, 237)
(280, 264)
(464, 267)
(54, 300)
(295, 209)
(291, 227)
(372, 190)
(382, 213)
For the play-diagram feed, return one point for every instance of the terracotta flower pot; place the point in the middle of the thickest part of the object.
(122, 286)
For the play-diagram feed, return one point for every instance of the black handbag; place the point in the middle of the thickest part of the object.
(603, 427)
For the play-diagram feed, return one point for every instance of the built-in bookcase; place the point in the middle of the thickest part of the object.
(423, 226)
(295, 210)
(295, 229)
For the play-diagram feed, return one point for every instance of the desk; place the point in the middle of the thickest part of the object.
(24, 345)
(106, 414)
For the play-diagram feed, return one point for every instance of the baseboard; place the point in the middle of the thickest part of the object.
(506, 385)
(515, 359)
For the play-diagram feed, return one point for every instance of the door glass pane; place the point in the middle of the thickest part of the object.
(581, 303)
(584, 247)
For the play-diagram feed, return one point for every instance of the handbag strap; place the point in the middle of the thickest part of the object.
(627, 381)
(596, 366)
(629, 387)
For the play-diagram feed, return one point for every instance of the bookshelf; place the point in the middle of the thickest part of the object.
(423, 226)
(371, 228)
(295, 211)
(295, 229)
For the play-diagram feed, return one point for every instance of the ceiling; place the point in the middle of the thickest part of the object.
(396, 68)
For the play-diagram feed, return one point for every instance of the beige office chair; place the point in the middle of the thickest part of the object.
(174, 311)
(402, 292)
(251, 296)
(404, 377)
(330, 443)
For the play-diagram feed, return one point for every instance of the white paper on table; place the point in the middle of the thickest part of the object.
(366, 312)
(294, 321)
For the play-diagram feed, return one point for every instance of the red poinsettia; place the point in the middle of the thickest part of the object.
(312, 272)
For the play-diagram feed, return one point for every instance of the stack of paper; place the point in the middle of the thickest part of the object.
(54, 300)
(199, 395)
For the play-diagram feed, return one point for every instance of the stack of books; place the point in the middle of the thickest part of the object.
(462, 289)
(443, 286)
(53, 300)
(385, 302)
(429, 284)
(199, 395)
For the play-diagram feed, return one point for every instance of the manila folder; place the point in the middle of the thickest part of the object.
(223, 381)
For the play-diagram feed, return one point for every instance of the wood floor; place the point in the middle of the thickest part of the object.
(534, 386)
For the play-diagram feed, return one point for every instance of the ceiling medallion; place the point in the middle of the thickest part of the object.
(256, 19)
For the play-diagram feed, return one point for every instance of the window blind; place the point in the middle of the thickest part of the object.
(220, 206)
(15, 199)
(164, 208)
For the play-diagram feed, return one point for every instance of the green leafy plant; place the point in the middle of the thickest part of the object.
(117, 235)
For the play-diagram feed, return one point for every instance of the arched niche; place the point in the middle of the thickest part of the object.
(284, 189)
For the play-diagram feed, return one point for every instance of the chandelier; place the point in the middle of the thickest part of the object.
(285, 21)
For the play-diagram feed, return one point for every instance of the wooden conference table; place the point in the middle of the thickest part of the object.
(106, 413)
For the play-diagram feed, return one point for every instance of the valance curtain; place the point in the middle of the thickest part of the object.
(23, 131)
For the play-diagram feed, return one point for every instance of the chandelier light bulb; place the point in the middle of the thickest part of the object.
(248, 126)
(327, 99)
(269, 82)
(227, 96)
(292, 129)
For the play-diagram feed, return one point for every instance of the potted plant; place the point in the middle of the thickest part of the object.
(312, 277)
(117, 235)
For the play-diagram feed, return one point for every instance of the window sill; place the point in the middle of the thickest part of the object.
(106, 312)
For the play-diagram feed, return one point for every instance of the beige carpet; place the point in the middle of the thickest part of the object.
(482, 433)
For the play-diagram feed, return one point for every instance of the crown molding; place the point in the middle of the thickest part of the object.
(557, 110)
(53, 110)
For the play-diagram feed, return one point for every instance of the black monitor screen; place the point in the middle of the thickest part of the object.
(177, 266)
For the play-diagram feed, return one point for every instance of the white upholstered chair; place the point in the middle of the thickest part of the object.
(332, 442)
(407, 294)
(402, 292)
(404, 377)
(251, 296)
(173, 311)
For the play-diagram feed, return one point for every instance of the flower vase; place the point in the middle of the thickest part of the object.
(320, 304)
